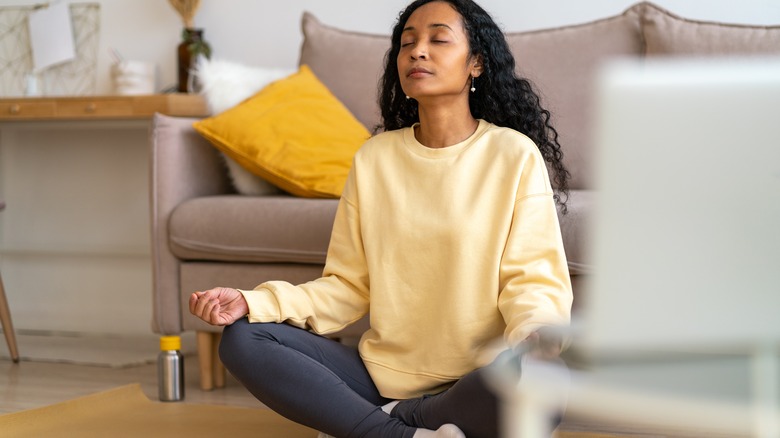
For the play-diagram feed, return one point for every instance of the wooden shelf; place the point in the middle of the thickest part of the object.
(102, 107)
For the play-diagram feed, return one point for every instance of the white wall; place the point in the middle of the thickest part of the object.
(74, 240)
(267, 33)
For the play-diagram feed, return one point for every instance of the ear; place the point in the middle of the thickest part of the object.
(476, 66)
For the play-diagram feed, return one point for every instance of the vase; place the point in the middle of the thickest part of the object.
(191, 48)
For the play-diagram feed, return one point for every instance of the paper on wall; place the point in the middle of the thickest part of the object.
(51, 36)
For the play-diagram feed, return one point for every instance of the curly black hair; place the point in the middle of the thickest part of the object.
(501, 97)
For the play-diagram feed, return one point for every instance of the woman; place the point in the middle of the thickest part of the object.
(446, 231)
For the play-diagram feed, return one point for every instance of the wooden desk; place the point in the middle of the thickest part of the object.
(101, 107)
(74, 238)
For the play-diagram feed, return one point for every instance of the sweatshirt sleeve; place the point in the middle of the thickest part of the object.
(535, 289)
(332, 302)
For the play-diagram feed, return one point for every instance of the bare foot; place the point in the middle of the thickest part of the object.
(388, 408)
(446, 431)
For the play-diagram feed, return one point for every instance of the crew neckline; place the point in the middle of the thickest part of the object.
(424, 151)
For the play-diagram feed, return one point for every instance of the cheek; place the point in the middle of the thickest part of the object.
(401, 60)
(401, 67)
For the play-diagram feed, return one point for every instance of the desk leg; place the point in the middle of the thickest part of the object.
(524, 417)
(765, 393)
(8, 327)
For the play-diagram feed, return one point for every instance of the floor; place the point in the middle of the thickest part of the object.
(32, 384)
(29, 384)
(35, 383)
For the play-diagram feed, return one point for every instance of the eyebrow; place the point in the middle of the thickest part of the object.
(432, 26)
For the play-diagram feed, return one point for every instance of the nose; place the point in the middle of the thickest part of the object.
(419, 51)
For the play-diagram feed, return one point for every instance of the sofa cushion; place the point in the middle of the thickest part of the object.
(667, 34)
(575, 230)
(294, 133)
(236, 228)
(197, 276)
(203, 275)
(350, 64)
(225, 84)
(563, 63)
(284, 229)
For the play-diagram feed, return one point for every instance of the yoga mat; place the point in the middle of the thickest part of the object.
(127, 412)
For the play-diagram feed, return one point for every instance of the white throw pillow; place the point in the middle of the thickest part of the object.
(225, 84)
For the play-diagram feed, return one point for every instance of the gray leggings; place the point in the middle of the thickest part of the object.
(322, 384)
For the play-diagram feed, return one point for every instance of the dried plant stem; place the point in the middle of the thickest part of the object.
(187, 10)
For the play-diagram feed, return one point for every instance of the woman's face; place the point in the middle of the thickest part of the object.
(434, 60)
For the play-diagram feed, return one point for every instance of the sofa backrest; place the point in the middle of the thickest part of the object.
(350, 64)
(667, 34)
(562, 64)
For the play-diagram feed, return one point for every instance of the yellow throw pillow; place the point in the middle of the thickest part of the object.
(294, 133)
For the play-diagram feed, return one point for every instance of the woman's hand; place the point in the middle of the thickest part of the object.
(219, 306)
(545, 344)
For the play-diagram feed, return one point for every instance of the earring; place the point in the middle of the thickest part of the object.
(407, 97)
(473, 89)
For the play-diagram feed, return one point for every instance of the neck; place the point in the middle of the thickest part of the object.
(442, 126)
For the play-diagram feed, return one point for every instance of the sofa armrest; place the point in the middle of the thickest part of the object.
(183, 166)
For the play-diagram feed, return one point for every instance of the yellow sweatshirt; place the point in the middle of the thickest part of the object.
(449, 248)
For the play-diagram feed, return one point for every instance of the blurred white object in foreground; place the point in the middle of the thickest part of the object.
(686, 244)
(687, 227)
(533, 394)
(686, 249)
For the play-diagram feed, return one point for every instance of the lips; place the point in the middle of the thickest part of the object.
(417, 72)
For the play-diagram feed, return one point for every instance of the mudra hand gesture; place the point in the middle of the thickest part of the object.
(219, 306)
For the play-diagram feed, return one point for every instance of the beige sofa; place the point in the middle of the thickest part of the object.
(204, 234)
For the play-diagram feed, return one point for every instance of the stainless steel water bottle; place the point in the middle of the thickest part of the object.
(170, 369)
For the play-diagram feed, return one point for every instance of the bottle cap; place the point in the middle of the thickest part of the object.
(170, 343)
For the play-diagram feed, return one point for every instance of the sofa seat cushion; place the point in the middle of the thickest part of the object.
(275, 229)
(575, 230)
(284, 229)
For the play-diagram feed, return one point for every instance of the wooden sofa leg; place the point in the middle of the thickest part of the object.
(212, 372)
(205, 348)
(219, 368)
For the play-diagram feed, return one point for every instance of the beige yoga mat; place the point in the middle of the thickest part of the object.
(127, 412)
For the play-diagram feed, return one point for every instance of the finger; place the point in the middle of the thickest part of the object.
(205, 310)
(215, 316)
(214, 311)
(193, 302)
(201, 307)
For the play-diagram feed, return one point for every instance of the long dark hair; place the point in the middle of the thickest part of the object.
(501, 97)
